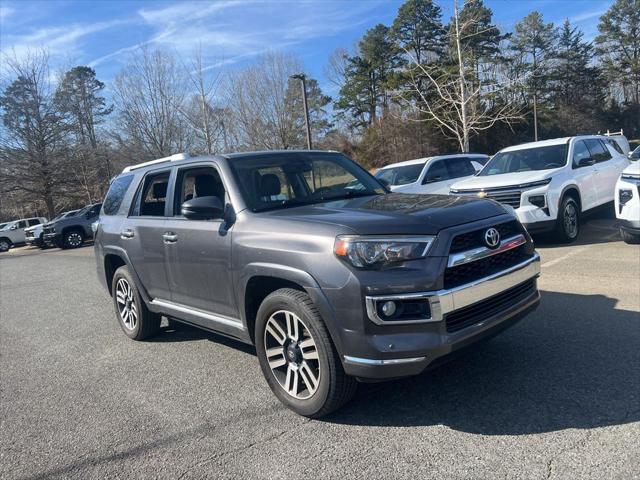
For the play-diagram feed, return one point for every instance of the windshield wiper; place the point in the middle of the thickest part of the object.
(349, 194)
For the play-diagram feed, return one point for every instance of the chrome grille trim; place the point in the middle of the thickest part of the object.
(479, 253)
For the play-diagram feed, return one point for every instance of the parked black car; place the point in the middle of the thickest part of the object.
(310, 258)
(73, 230)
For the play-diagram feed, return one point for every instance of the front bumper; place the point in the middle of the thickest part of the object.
(413, 349)
(52, 239)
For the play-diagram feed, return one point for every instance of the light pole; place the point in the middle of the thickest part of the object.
(303, 78)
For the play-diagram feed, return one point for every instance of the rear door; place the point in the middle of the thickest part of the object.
(198, 252)
(605, 168)
(141, 233)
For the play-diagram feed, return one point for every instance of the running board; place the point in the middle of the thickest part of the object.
(176, 309)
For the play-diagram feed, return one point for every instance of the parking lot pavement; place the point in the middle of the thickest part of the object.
(557, 396)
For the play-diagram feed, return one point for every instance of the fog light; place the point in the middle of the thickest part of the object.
(625, 196)
(389, 308)
(539, 201)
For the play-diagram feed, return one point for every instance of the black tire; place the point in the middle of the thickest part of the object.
(5, 244)
(334, 387)
(72, 239)
(147, 323)
(568, 221)
(629, 238)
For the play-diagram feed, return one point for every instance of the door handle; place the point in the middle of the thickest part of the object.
(127, 233)
(169, 237)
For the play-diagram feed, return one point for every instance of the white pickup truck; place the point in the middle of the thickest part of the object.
(552, 182)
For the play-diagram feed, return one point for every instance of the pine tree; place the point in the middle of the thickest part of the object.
(619, 47)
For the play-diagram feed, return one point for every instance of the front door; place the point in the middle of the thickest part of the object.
(198, 252)
(584, 175)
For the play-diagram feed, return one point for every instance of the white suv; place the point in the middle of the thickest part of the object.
(550, 183)
(627, 199)
(12, 233)
(431, 174)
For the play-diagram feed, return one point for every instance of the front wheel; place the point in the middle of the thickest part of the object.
(72, 239)
(629, 238)
(568, 222)
(297, 356)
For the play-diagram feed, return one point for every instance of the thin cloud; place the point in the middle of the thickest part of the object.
(587, 16)
(6, 12)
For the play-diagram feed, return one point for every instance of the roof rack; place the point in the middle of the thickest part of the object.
(171, 158)
(613, 134)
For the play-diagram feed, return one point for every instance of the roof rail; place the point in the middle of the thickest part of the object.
(171, 158)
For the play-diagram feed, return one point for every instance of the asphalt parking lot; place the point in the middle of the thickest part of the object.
(557, 396)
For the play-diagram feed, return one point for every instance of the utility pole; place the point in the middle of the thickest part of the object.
(302, 77)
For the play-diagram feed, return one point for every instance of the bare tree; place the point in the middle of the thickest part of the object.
(33, 134)
(150, 94)
(461, 104)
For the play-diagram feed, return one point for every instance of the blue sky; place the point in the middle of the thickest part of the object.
(102, 33)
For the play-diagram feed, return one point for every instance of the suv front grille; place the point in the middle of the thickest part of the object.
(511, 198)
(478, 312)
(468, 240)
(469, 272)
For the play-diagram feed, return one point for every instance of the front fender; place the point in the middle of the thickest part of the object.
(300, 277)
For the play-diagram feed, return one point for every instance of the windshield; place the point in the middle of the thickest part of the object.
(636, 154)
(282, 181)
(400, 175)
(526, 160)
(6, 226)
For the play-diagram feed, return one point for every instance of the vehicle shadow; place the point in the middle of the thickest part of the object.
(574, 363)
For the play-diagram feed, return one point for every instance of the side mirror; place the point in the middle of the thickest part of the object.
(202, 208)
(14, 227)
(585, 162)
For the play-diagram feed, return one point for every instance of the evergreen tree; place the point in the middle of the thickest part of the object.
(619, 47)
(531, 42)
(367, 74)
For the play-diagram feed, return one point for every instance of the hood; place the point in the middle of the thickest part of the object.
(502, 180)
(633, 169)
(395, 213)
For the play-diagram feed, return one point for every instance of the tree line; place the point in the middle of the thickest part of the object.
(422, 85)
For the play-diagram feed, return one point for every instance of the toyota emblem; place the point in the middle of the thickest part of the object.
(492, 238)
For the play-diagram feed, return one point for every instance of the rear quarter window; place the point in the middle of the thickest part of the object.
(115, 195)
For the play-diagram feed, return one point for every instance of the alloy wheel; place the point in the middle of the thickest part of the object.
(74, 239)
(570, 218)
(127, 307)
(292, 354)
(4, 246)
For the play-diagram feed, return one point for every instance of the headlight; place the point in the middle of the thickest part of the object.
(372, 252)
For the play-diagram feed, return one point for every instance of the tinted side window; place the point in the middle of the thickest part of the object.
(115, 194)
(22, 224)
(197, 182)
(460, 167)
(598, 151)
(580, 151)
(437, 172)
(150, 200)
(616, 146)
(34, 221)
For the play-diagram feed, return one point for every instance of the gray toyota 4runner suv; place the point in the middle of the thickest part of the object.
(307, 256)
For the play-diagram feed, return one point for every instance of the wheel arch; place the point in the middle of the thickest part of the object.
(572, 191)
(261, 279)
(114, 258)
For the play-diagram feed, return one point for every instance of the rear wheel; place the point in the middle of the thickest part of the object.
(568, 222)
(136, 320)
(629, 238)
(72, 239)
(297, 356)
(5, 244)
